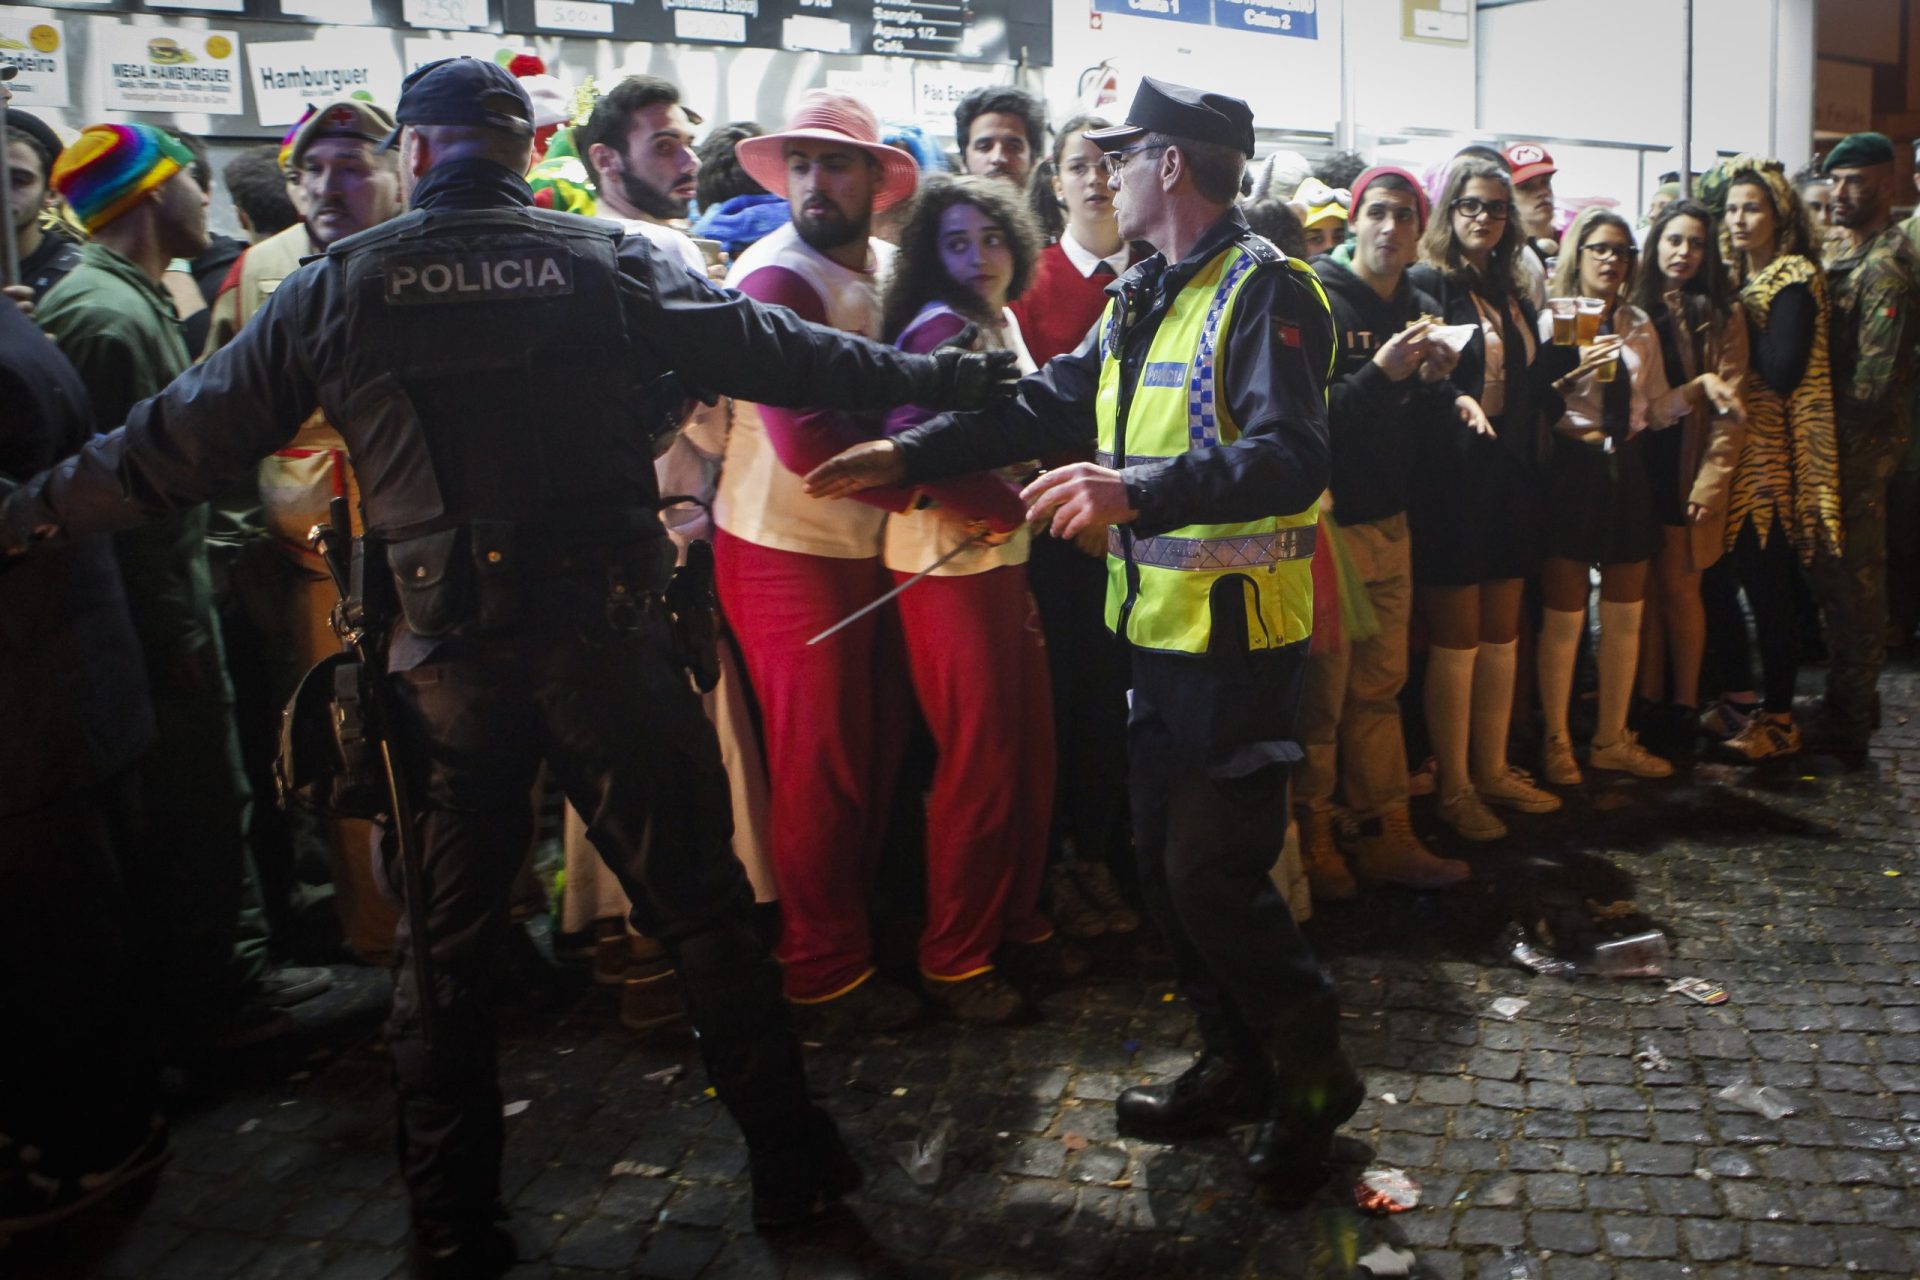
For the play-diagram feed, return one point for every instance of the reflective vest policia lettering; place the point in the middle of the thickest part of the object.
(1160, 589)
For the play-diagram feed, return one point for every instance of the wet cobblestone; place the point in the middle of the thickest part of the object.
(1793, 884)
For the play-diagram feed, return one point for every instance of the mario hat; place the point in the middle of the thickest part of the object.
(1529, 160)
(826, 116)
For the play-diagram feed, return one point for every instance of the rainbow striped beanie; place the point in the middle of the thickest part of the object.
(110, 166)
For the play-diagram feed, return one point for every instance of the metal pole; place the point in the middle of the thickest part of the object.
(10, 260)
(1343, 138)
(1686, 100)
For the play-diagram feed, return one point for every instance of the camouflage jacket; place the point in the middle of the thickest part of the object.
(1875, 291)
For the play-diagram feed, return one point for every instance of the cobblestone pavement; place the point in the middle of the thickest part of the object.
(1543, 1148)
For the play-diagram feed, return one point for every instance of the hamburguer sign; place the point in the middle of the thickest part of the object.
(289, 75)
(169, 69)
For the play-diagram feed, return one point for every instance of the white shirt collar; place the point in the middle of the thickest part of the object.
(1085, 260)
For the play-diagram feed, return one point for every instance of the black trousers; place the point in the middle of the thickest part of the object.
(1089, 669)
(77, 1065)
(1766, 575)
(1211, 742)
(613, 715)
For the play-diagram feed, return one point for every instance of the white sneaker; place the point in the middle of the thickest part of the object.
(1514, 790)
(1628, 756)
(1556, 761)
(1471, 819)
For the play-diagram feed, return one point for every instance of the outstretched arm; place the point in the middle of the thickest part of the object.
(210, 425)
(724, 341)
(1051, 411)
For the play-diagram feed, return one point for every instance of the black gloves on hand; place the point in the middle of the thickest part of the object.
(963, 379)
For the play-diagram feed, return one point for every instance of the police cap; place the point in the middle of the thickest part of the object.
(1859, 150)
(469, 91)
(1195, 114)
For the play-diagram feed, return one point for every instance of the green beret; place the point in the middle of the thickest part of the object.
(1857, 151)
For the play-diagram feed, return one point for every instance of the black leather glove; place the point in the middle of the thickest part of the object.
(965, 379)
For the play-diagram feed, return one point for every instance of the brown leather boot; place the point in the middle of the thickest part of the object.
(650, 996)
(1327, 872)
(1387, 850)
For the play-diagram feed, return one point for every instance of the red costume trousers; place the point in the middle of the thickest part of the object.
(979, 669)
(833, 718)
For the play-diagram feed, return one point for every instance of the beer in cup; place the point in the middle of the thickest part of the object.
(1591, 310)
(1565, 323)
(1610, 369)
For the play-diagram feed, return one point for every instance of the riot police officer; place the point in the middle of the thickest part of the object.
(527, 561)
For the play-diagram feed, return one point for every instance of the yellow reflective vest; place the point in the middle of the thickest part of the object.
(1160, 589)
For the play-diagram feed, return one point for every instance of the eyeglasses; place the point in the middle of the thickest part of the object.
(1607, 250)
(1117, 160)
(1473, 207)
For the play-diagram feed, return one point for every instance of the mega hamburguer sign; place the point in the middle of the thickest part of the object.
(169, 69)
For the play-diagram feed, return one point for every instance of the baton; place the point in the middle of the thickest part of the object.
(866, 609)
(333, 540)
(9, 243)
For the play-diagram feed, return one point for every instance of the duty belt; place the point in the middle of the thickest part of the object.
(1247, 551)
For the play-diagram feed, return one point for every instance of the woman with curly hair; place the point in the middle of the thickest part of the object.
(1786, 488)
(974, 651)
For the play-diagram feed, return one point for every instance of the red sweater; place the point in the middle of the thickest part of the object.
(1056, 312)
(1059, 306)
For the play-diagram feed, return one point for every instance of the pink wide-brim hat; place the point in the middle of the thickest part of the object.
(825, 116)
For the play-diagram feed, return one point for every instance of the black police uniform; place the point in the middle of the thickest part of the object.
(77, 1073)
(487, 364)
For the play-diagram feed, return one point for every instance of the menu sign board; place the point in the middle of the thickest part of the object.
(168, 69)
(968, 30)
(33, 40)
(289, 76)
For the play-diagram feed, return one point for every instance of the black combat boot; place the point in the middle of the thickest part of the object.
(798, 1163)
(478, 1252)
(796, 1183)
(1310, 1102)
(1216, 1092)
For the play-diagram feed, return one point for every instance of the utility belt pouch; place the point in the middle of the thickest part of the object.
(359, 789)
(326, 760)
(497, 576)
(370, 605)
(694, 616)
(430, 578)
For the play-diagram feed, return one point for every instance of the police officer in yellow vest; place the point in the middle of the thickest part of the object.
(1204, 385)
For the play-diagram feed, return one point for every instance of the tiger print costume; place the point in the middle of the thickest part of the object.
(1789, 464)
